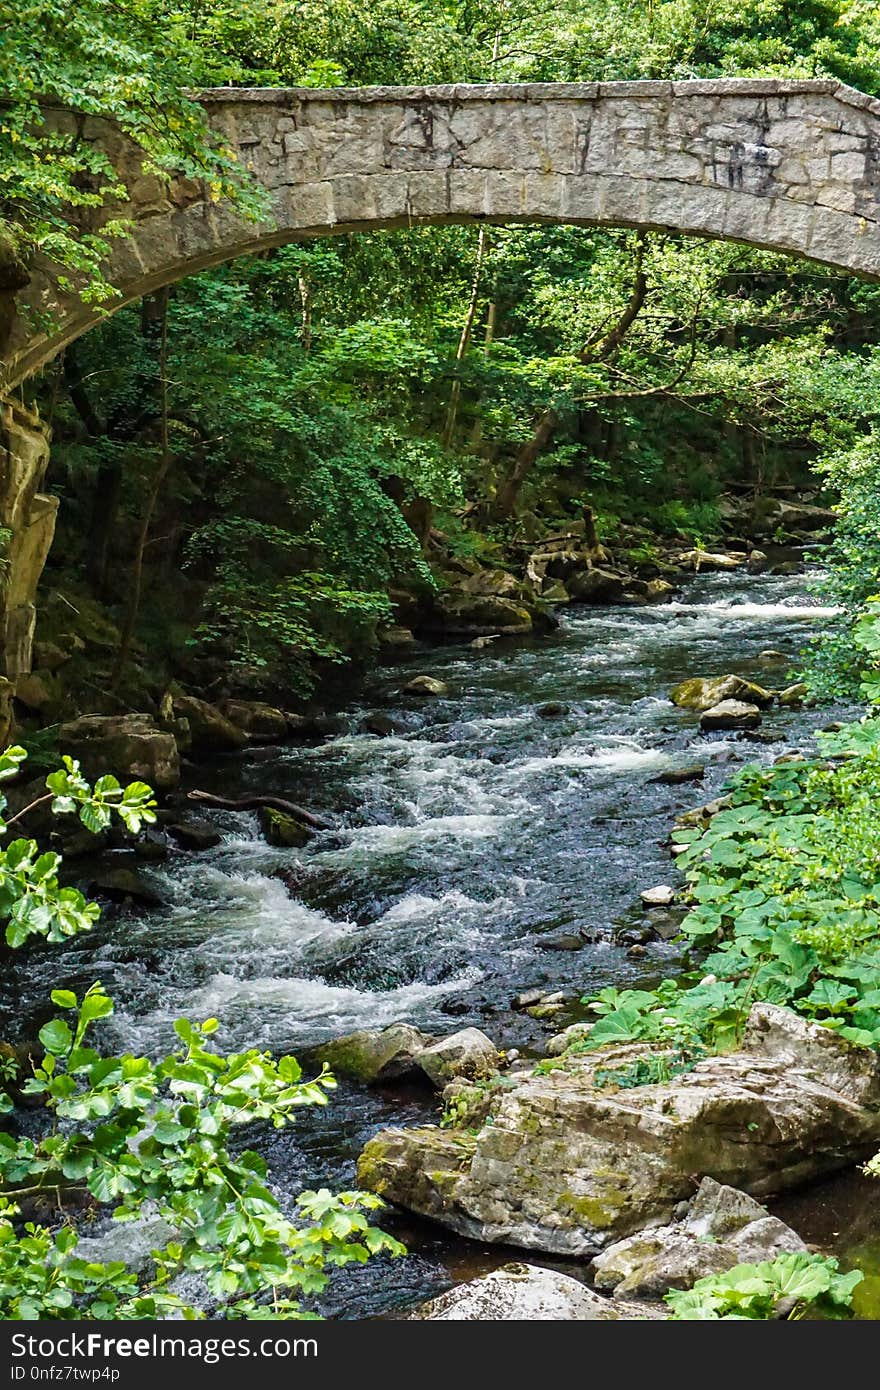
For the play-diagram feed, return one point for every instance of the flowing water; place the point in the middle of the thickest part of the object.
(466, 847)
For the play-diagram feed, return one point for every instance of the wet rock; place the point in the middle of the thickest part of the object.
(125, 884)
(466, 1053)
(803, 516)
(665, 926)
(210, 729)
(487, 583)
(565, 941)
(659, 591)
(551, 709)
(132, 1242)
(305, 728)
(473, 615)
(523, 1293)
(282, 830)
(674, 776)
(527, 998)
(771, 656)
(425, 685)
(129, 745)
(564, 1166)
(757, 562)
(396, 638)
(793, 696)
(151, 846)
(555, 592)
(702, 693)
(788, 567)
(195, 834)
(482, 644)
(544, 1011)
(731, 714)
(571, 1036)
(596, 586)
(661, 896)
(722, 1228)
(376, 1057)
(260, 722)
(381, 725)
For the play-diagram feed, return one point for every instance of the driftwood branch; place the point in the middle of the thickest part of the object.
(253, 803)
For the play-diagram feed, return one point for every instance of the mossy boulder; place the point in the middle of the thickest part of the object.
(282, 830)
(702, 693)
(567, 1167)
(210, 729)
(261, 723)
(374, 1057)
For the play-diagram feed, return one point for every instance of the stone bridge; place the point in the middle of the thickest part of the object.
(787, 166)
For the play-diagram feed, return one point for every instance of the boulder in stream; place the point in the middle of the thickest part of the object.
(525, 1293)
(723, 1228)
(425, 685)
(210, 729)
(567, 1167)
(730, 714)
(661, 896)
(261, 723)
(704, 692)
(469, 1053)
(374, 1057)
(281, 830)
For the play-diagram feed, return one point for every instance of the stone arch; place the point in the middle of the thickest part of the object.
(790, 166)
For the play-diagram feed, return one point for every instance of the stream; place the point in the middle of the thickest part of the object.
(480, 850)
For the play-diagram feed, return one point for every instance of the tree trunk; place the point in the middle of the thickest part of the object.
(159, 476)
(599, 349)
(465, 338)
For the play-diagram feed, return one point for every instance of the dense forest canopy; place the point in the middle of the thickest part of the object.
(319, 393)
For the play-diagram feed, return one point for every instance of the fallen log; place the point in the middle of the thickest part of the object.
(253, 803)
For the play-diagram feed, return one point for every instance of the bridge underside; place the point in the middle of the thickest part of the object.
(784, 166)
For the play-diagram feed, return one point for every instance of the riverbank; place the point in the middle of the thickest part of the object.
(461, 845)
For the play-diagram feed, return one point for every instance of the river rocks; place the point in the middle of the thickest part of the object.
(675, 776)
(282, 830)
(596, 586)
(563, 1166)
(552, 709)
(261, 723)
(425, 685)
(702, 693)
(125, 885)
(730, 714)
(757, 562)
(460, 614)
(378, 724)
(523, 1293)
(210, 729)
(786, 567)
(396, 639)
(709, 560)
(723, 1228)
(468, 1053)
(128, 745)
(661, 896)
(793, 696)
(376, 1057)
(195, 834)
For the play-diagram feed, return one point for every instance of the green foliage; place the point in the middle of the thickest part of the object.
(125, 1131)
(792, 1286)
(785, 893)
(31, 899)
(117, 63)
